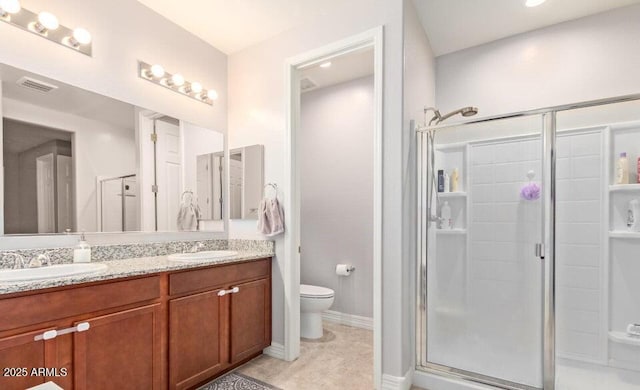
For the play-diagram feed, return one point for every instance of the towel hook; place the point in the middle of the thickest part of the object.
(273, 186)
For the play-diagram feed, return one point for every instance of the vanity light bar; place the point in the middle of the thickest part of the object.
(46, 25)
(176, 82)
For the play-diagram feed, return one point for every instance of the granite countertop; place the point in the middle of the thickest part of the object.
(127, 268)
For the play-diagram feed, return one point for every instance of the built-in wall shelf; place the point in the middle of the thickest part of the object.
(624, 234)
(451, 231)
(624, 338)
(457, 194)
(624, 187)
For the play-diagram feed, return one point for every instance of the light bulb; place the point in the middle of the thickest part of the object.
(48, 20)
(534, 3)
(157, 71)
(196, 87)
(81, 36)
(212, 94)
(177, 80)
(10, 6)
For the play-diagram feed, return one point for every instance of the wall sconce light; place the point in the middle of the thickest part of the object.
(176, 82)
(46, 25)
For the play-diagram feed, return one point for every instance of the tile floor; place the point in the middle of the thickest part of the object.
(341, 359)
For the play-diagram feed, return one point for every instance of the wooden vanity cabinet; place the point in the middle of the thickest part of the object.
(174, 330)
(219, 328)
(120, 351)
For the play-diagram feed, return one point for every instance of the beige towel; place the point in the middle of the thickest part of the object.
(270, 217)
(189, 214)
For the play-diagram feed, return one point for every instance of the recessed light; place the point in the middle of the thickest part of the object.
(534, 3)
(325, 64)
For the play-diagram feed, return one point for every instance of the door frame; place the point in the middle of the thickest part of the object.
(371, 38)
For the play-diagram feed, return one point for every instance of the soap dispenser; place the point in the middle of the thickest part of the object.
(82, 251)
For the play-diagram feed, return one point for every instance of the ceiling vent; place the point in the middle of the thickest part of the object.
(36, 85)
(306, 84)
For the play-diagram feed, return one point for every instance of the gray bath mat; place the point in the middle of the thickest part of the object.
(233, 381)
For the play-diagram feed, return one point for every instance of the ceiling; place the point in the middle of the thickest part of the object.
(19, 136)
(344, 68)
(453, 25)
(232, 25)
(67, 98)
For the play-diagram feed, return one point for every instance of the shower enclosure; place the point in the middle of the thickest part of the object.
(117, 204)
(528, 267)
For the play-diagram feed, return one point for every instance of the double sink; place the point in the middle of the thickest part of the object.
(77, 269)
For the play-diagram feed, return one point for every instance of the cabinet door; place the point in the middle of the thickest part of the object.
(198, 347)
(120, 351)
(19, 355)
(250, 323)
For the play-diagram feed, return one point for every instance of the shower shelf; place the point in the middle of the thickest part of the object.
(624, 338)
(623, 234)
(624, 187)
(451, 231)
(456, 194)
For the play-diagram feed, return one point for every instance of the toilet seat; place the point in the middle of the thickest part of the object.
(309, 291)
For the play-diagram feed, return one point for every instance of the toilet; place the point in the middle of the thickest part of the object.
(313, 301)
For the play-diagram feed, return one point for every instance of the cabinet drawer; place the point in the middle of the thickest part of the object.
(215, 277)
(39, 308)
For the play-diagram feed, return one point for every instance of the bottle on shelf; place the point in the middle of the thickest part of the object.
(622, 169)
(447, 182)
(455, 175)
(440, 180)
(446, 223)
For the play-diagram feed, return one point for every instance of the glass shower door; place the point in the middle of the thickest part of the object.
(481, 209)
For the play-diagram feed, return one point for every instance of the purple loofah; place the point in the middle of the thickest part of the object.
(530, 191)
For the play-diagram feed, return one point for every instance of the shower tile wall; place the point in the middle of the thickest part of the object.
(581, 321)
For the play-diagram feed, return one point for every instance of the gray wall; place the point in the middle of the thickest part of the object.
(336, 192)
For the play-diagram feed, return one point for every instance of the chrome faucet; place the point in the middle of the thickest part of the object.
(18, 260)
(196, 247)
(40, 260)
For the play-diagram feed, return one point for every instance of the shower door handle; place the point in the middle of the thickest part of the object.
(539, 250)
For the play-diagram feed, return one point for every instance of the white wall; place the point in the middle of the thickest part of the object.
(99, 149)
(197, 141)
(257, 116)
(590, 58)
(123, 31)
(419, 91)
(336, 192)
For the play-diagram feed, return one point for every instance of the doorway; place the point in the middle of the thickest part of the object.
(372, 39)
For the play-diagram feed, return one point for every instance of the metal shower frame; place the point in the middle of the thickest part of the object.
(548, 248)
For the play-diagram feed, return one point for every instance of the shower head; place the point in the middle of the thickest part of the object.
(439, 118)
(469, 111)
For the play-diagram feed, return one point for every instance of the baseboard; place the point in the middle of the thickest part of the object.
(390, 382)
(348, 319)
(275, 350)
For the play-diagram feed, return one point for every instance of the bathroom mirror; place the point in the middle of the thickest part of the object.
(246, 181)
(78, 161)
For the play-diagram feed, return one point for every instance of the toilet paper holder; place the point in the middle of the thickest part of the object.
(344, 269)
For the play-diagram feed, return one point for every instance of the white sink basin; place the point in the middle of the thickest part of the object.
(201, 256)
(50, 272)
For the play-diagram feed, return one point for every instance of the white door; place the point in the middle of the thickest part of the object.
(235, 188)
(204, 178)
(45, 194)
(169, 174)
(111, 205)
(217, 161)
(65, 193)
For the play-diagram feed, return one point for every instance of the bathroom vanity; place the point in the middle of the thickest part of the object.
(157, 325)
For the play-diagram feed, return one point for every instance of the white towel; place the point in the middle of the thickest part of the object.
(189, 214)
(270, 217)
